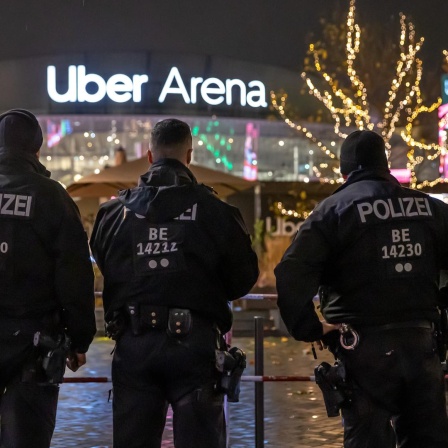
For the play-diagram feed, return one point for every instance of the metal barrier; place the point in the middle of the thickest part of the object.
(87, 379)
(259, 378)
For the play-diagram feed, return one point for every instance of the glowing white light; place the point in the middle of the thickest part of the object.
(213, 90)
(118, 88)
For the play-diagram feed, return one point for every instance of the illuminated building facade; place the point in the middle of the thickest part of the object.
(443, 128)
(91, 104)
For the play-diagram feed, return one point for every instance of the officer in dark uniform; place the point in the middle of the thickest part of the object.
(46, 281)
(376, 250)
(173, 255)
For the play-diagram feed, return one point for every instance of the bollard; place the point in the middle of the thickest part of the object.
(259, 386)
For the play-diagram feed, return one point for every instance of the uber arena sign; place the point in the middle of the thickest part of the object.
(121, 88)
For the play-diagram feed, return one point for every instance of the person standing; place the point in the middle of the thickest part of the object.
(173, 256)
(374, 250)
(47, 314)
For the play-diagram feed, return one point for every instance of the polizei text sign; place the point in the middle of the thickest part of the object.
(84, 87)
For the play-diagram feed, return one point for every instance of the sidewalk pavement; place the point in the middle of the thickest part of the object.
(294, 411)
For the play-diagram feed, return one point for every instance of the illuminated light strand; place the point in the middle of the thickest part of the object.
(443, 123)
(328, 102)
(406, 101)
(339, 180)
(317, 172)
(406, 135)
(404, 96)
(281, 109)
(352, 51)
(354, 109)
(279, 208)
(350, 106)
(404, 66)
(431, 183)
(436, 149)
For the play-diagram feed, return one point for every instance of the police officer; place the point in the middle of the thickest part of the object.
(376, 250)
(173, 255)
(46, 284)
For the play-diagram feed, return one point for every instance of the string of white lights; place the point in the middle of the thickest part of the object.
(404, 101)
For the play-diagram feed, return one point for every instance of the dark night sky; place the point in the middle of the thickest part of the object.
(265, 31)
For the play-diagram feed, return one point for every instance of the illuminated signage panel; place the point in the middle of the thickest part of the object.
(445, 89)
(84, 87)
(443, 131)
